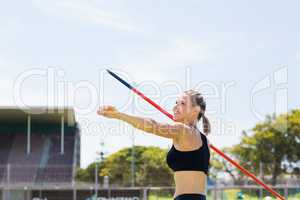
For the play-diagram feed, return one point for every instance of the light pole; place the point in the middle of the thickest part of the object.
(96, 179)
(98, 160)
(132, 147)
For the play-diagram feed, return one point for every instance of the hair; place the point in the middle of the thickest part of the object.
(197, 99)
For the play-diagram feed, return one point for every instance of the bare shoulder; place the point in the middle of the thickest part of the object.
(188, 135)
(192, 141)
(183, 128)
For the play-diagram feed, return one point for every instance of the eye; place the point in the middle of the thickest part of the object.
(182, 103)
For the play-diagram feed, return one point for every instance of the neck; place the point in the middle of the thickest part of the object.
(191, 123)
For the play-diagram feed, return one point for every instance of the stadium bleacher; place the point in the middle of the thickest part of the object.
(58, 167)
(45, 162)
(6, 143)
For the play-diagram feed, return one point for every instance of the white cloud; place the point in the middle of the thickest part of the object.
(160, 62)
(84, 11)
(185, 51)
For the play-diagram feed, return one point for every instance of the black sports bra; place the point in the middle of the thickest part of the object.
(195, 160)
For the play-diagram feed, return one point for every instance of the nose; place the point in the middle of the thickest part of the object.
(175, 107)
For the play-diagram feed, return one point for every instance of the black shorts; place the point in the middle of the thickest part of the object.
(190, 197)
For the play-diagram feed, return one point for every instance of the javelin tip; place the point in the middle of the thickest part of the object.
(119, 79)
(108, 71)
(111, 73)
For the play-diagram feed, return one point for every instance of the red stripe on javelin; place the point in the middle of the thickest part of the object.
(152, 103)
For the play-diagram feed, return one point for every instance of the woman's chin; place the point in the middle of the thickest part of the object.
(176, 119)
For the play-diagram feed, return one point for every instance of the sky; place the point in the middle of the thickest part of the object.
(243, 56)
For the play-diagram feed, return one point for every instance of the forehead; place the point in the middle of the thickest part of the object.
(183, 97)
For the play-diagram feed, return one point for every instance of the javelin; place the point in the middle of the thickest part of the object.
(242, 169)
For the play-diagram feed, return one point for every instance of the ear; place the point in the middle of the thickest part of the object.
(196, 110)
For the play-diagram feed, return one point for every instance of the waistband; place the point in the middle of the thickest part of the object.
(190, 197)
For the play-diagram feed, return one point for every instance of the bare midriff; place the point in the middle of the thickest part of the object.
(187, 182)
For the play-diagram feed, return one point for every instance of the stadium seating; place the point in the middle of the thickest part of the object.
(23, 166)
(59, 166)
(44, 164)
(6, 143)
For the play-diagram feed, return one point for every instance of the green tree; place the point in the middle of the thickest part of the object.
(220, 165)
(150, 168)
(86, 175)
(155, 170)
(275, 143)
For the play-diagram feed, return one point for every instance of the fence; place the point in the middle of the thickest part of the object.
(56, 182)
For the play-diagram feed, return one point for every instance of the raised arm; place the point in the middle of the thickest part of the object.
(149, 125)
(173, 131)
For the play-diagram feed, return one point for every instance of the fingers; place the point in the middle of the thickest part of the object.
(101, 110)
(110, 108)
(106, 110)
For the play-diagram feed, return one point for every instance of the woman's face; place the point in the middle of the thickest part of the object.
(184, 110)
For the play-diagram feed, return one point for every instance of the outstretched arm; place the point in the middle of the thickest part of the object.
(149, 125)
